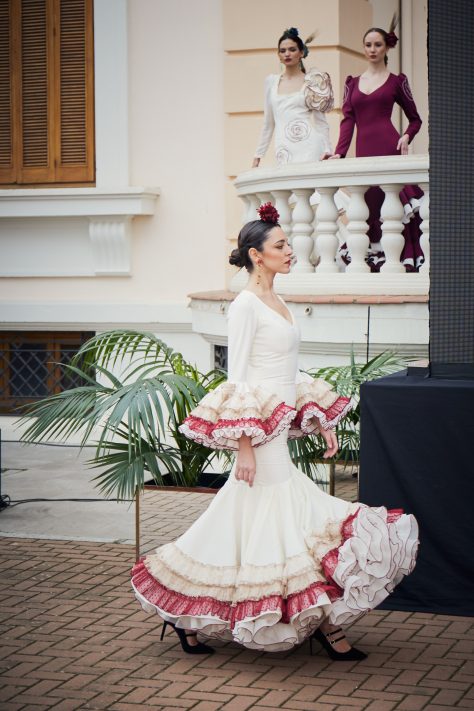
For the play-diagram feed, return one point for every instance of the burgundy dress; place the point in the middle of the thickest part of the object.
(377, 136)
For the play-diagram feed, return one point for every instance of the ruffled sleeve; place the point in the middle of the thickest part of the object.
(318, 93)
(318, 407)
(236, 408)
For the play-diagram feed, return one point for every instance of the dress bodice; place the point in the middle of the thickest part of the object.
(372, 115)
(298, 119)
(263, 346)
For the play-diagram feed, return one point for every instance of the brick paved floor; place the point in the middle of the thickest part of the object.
(72, 637)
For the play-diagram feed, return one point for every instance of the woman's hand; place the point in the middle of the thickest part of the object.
(330, 156)
(245, 467)
(330, 438)
(402, 144)
(255, 162)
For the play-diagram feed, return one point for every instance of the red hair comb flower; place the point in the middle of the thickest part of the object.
(392, 39)
(268, 213)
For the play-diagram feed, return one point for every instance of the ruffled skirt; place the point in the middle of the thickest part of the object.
(264, 565)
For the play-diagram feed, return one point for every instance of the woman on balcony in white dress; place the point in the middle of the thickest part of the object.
(295, 106)
(274, 560)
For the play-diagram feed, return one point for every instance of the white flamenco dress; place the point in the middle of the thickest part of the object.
(264, 565)
(298, 119)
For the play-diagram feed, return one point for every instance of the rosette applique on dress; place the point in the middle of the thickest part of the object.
(318, 93)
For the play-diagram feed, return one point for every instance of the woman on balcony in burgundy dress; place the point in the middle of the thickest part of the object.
(368, 103)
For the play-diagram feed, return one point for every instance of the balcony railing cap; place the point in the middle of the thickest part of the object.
(379, 170)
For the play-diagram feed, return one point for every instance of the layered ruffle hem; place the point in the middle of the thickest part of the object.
(265, 565)
(234, 409)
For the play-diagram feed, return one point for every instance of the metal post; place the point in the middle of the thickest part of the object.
(137, 524)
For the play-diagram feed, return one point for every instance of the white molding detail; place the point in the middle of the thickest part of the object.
(76, 231)
(83, 316)
(110, 239)
(78, 202)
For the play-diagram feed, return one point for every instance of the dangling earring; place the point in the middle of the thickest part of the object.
(259, 264)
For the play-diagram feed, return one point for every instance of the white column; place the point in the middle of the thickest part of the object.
(392, 226)
(425, 228)
(357, 240)
(264, 197)
(326, 228)
(280, 200)
(302, 230)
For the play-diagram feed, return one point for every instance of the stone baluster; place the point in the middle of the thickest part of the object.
(251, 204)
(326, 228)
(280, 200)
(392, 239)
(264, 197)
(302, 241)
(357, 241)
(425, 228)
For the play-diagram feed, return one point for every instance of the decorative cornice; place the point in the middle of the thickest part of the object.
(77, 202)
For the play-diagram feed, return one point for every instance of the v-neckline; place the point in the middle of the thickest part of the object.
(372, 92)
(290, 323)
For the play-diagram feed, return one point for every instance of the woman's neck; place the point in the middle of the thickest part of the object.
(376, 69)
(261, 284)
(292, 72)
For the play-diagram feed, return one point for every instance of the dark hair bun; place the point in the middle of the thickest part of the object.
(235, 258)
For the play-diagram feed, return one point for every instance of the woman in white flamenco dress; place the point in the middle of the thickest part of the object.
(296, 103)
(274, 559)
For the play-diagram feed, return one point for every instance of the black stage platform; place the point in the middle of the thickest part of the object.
(417, 441)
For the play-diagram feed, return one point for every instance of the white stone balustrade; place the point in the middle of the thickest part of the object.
(314, 226)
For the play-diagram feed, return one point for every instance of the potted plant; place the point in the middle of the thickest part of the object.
(346, 380)
(134, 393)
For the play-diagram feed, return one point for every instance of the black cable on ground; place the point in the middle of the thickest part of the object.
(34, 501)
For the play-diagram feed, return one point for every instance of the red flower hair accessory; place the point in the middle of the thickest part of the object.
(268, 213)
(391, 40)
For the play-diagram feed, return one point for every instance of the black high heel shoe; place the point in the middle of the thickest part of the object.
(198, 648)
(352, 655)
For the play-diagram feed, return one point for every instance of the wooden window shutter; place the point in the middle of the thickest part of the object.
(36, 127)
(7, 166)
(46, 48)
(75, 90)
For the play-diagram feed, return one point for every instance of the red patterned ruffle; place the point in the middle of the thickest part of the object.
(327, 419)
(225, 434)
(177, 604)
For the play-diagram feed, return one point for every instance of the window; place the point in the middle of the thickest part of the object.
(29, 365)
(46, 92)
(220, 357)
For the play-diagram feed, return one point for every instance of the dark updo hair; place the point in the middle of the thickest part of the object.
(292, 34)
(252, 234)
